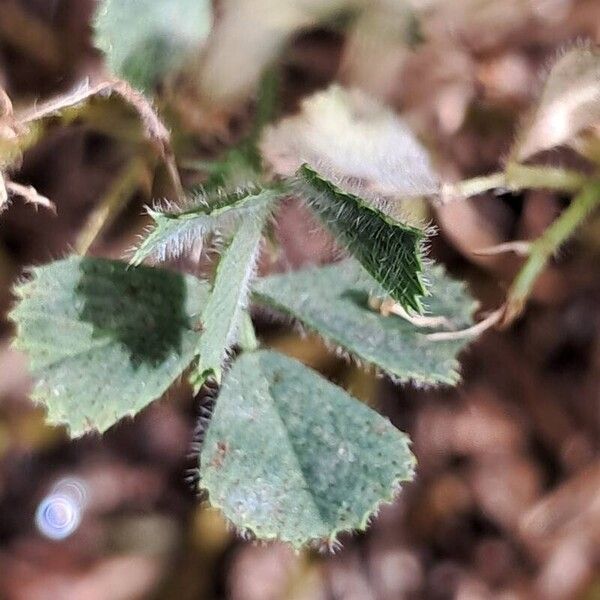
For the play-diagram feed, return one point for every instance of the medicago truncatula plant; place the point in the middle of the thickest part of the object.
(285, 453)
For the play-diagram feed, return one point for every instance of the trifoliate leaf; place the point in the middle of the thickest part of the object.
(145, 39)
(290, 456)
(570, 103)
(177, 230)
(356, 142)
(221, 319)
(104, 340)
(389, 250)
(334, 302)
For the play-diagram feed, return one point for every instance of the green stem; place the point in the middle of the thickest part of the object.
(545, 246)
(475, 186)
(547, 178)
(517, 177)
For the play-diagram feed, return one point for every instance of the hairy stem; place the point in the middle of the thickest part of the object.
(544, 248)
(472, 187)
(517, 177)
(549, 178)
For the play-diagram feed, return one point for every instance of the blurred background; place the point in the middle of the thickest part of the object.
(506, 503)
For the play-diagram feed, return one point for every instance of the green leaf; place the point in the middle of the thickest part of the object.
(145, 39)
(104, 340)
(570, 103)
(222, 317)
(177, 230)
(333, 301)
(290, 456)
(390, 251)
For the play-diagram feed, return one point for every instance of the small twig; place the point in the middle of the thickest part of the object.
(542, 177)
(421, 320)
(540, 251)
(519, 247)
(546, 246)
(471, 187)
(391, 307)
(476, 330)
(30, 195)
(516, 177)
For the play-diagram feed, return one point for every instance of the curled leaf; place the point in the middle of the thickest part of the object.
(569, 104)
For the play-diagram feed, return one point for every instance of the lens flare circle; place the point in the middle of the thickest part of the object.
(59, 514)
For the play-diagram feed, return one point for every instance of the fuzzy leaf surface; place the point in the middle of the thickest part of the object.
(389, 250)
(176, 231)
(333, 301)
(104, 340)
(570, 103)
(290, 456)
(356, 142)
(145, 39)
(221, 319)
